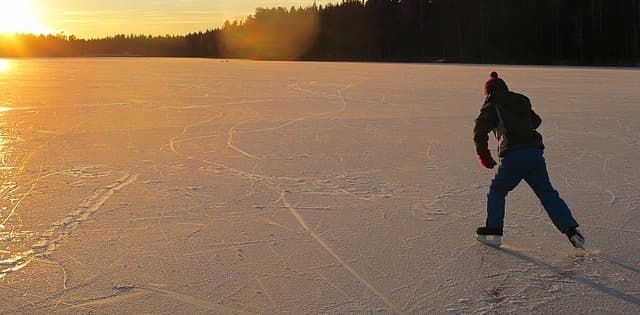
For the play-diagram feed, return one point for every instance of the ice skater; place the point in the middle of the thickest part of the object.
(510, 116)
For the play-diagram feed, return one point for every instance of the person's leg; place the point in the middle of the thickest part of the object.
(556, 208)
(507, 177)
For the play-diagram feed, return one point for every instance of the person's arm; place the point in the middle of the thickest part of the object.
(486, 121)
(536, 121)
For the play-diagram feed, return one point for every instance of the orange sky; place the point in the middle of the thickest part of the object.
(99, 18)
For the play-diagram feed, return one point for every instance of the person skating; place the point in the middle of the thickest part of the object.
(520, 149)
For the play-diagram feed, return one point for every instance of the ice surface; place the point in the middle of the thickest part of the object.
(182, 186)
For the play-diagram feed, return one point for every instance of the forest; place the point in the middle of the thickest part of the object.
(556, 32)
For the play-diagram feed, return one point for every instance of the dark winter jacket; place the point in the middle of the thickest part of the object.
(513, 122)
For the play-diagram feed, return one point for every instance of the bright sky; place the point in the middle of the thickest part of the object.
(99, 18)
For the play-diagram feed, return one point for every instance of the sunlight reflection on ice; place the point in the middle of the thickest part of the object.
(5, 65)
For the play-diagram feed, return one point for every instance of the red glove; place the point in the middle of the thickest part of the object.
(487, 160)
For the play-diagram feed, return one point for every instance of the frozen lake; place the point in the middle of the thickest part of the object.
(186, 186)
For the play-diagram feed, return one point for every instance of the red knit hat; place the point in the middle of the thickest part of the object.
(494, 84)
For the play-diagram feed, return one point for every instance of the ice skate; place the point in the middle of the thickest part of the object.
(574, 236)
(489, 236)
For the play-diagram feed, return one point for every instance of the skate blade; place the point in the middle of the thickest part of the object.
(491, 240)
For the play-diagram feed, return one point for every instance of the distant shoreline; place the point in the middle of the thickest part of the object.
(125, 56)
(545, 33)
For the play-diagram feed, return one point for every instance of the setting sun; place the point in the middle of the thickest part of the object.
(20, 16)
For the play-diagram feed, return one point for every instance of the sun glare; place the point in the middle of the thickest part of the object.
(4, 65)
(19, 16)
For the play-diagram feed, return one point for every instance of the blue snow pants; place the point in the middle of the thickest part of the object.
(527, 164)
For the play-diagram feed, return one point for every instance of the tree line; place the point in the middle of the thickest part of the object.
(573, 32)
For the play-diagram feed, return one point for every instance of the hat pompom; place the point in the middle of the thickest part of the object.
(494, 84)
